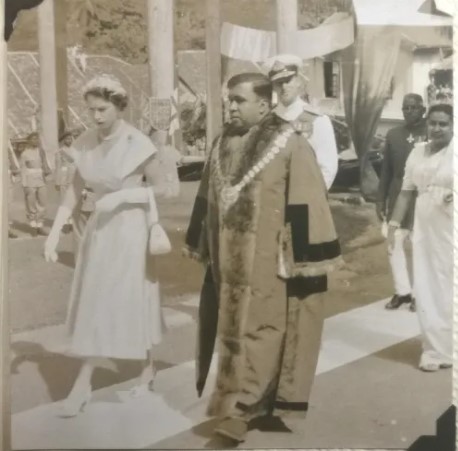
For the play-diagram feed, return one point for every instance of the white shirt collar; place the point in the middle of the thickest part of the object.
(290, 112)
(293, 111)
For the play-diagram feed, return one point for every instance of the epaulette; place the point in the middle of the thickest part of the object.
(312, 112)
(304, 123)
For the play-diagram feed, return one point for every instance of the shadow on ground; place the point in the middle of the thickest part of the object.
(59, 371)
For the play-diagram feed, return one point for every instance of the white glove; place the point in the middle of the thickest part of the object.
(62, 216)
(50, 247)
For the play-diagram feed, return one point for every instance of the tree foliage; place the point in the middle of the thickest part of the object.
(119, 28)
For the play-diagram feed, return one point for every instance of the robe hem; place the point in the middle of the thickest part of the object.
(291, 406)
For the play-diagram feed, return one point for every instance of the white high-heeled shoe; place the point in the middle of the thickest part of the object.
(141, 389)
(71, 407)
(430, 364)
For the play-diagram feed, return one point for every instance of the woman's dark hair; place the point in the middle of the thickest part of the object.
(441, 108)
(120, 101)
(261, 84)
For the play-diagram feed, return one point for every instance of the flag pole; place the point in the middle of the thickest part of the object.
(161, 58)
(60, 20)
(214, 113)
(286, 22)
(48, 91)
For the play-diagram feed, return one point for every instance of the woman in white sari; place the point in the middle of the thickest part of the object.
(429, 176)
(114, 309)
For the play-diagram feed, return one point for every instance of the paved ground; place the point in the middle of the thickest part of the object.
(368, 392)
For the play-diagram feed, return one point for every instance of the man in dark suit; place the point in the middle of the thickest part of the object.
(399, 142)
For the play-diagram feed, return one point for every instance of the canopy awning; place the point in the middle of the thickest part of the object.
(397, 12)
(250, 44)
(445, 64)
(446, 6)
(440, 7)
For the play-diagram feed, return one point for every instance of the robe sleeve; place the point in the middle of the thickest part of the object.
(308, 244)
(196, 243)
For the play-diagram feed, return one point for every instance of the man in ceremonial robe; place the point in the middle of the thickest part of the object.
(262, 226)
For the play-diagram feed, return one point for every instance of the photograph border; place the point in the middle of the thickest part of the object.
(5, 392)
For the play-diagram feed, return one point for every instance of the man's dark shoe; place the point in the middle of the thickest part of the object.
(11, 234)
(413, 306)
(268, 423)
(396, 301)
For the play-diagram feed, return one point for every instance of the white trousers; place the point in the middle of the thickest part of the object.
(398, 261)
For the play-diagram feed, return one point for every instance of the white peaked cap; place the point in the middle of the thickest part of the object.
(282, 66)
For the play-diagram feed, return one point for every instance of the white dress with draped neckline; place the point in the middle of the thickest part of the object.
(431, 175)
(114, 309)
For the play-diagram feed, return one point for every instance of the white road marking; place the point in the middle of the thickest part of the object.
(174, 407)
(363, 331)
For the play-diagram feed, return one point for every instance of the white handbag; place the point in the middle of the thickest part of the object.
(158, 243)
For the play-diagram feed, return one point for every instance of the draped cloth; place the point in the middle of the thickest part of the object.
(267, 261)
(431, 176)
(249, 44)
(368, 67)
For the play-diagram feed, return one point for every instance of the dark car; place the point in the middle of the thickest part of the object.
(348, 173)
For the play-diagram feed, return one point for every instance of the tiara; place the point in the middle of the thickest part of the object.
(105, 81)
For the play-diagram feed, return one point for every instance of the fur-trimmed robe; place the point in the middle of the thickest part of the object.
(267, 261)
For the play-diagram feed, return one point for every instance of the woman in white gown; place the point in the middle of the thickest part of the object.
(114, 309)
(429, 176)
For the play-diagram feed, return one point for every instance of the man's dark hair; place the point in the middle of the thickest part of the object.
(261, 84)
(441, 108)
(417, 97)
